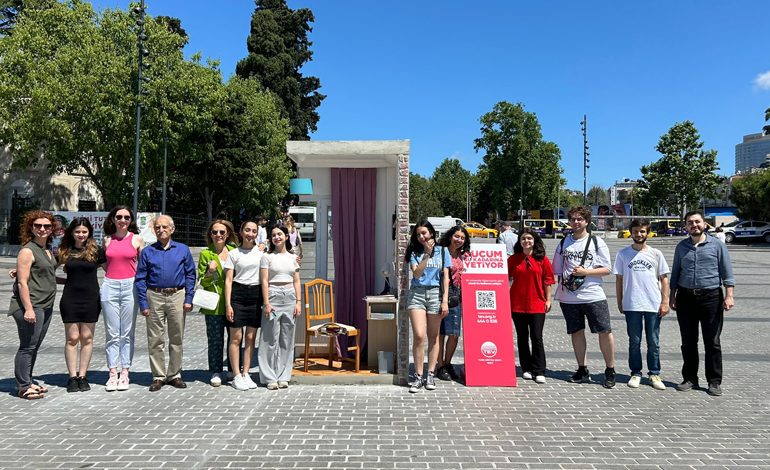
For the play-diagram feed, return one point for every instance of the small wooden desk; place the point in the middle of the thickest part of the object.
(381, 312)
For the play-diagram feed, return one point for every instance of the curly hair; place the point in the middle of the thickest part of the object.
(25, 232)
(90, 249)
(230, 237)
(582, 211)
(109, 222)
(446, 238)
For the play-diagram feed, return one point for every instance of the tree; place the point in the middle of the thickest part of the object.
(9, 11)
(278, 47)
(422, 202)
(449, 185)
(517, 158)
(597, 195)
(767, 118)
(683, 175)
(751, 194)
(175, 26)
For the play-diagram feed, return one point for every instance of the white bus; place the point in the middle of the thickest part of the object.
(305, 220)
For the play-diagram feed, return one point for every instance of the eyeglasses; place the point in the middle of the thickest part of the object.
(122, 217)
(43, 226)
(576, 219)
(219, 232)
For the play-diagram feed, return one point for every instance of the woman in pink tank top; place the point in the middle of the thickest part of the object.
(122, 245)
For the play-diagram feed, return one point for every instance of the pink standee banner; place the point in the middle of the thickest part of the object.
(487, 324)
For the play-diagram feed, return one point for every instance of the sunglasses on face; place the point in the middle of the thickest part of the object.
(219, 232)
(122, 217)
(43, 226)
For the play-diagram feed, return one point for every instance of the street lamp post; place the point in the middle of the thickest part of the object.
(584, 128)
(139, 79)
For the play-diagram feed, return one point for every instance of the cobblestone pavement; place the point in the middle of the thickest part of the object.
(556, 425)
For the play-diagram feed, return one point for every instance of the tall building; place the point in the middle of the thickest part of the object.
(752, 153)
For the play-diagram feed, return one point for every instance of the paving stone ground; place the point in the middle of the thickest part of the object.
(552, 426)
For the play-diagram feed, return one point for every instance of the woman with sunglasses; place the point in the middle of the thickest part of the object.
(33, 297)
(281, 294)
(532, 275)
(243, 298)
(122, 245)
(220, 238)
(457, 241)
(79, 305)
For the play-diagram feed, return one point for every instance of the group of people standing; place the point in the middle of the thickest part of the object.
(700, 290)
(258, 276)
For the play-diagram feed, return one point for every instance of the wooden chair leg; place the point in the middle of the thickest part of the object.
(358, 353)
(331, 352)
(307, 350)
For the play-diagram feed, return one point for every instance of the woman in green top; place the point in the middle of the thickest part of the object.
(33, 298)
(220, 238)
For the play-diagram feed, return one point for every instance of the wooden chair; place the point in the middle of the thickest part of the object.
(319, 307)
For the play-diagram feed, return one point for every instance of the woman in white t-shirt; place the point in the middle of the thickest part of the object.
(279, 275)
(243, 298)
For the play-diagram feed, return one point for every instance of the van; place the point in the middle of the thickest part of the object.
(304, 220)
(442, 224)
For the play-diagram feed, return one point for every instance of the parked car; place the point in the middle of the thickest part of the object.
(668, 228)
(546, 227)
(627, 233)
(475, 229)
(747, 230)
(442, 224)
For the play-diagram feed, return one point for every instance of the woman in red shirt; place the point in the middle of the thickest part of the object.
(530, 271)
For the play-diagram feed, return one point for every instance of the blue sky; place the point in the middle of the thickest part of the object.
(427, 70)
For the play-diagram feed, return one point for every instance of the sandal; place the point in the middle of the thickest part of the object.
(38, 388)
(30, 394)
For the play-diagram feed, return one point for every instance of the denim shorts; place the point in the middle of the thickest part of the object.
(452, 323)
(423, 298)
(597, 313)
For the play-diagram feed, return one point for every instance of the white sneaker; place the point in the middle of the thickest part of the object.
(239, 383)
(283, 384)
(216, 380)
(272, 386)
(634, 381)
(527, 375)
(657, 383)
(123, 381)
(540, 379)
(249, 381)
(112, 382)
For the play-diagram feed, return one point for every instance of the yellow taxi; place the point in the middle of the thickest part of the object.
(627, 234)
(475, 229)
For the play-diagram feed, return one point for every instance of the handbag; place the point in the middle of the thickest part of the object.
(454, 294)
(205, 299)
(573, 283)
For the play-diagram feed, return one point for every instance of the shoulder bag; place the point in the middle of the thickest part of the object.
(572, 282)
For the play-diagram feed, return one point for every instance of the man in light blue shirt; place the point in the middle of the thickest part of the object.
(701, 267)
(508, 237)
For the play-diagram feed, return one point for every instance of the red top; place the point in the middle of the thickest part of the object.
(529, 279)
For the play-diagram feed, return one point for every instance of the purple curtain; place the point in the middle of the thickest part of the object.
(354, 193)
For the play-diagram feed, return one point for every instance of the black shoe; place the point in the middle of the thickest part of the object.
(73, 385)
(443, 373)
(687, 385)
(83, 384)
(156, 385)
(581, 376)
(609, 377)
(452, 374)
(715, 390)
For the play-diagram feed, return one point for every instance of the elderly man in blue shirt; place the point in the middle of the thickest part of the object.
(165, 284)
(701, 267)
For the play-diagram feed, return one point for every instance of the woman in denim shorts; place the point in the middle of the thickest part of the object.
(429, 263)
(458, 243)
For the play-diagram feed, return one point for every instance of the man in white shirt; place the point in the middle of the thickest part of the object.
(585, 301)
(261, 240)
(508, 237)
(641, 284)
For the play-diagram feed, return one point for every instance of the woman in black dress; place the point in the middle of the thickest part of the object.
(80, 305)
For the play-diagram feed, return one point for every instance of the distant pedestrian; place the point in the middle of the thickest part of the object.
(581, 259)
(165, 284)
(532, 275)
(279, 277)
(33, 297)
(220, 240)
(457, 242)
(641, 285)
(122, 246)
(701, 267)
(294, 237)
(261, 240)
(79, 306)
(508, 237)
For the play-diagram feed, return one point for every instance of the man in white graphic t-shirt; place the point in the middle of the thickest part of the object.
(641, 284)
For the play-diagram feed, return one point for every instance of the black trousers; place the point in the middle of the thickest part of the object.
(529, 326)
(706, 310)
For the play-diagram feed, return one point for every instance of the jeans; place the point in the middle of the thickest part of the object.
(706, 310)
(651, 321)
(529, 326)
(31, 336)
(119, 306)
(276, 343)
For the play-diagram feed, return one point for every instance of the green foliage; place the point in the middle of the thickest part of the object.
(597, 196)
(449, 185)
(422, 202)
(175, 26)
(751, 193)
(278, 47)
(684, 173)
(516, 157)
(9, 11)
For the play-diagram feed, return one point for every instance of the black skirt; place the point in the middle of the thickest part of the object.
(247, 306)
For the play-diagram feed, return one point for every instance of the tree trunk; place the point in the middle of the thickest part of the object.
(208, 195)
